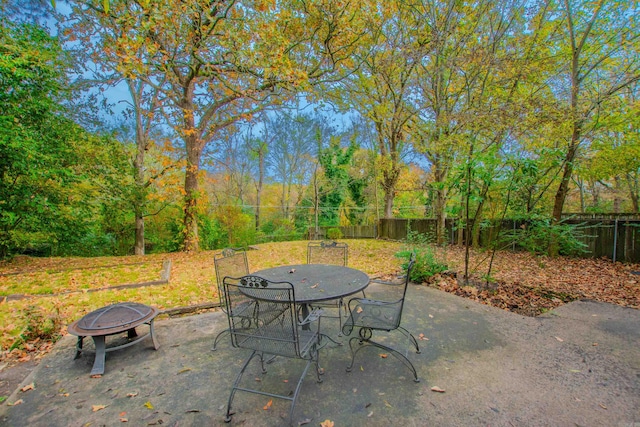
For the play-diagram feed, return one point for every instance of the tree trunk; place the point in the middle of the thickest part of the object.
(388, 204)
(475, 241)
(139, 245)
(461, 223)
(140, 198)
(595, 194)
(194, 147)
(633, 192)
(259, 186)
(440, 202)
(563, 188)
(191, 239)
(616, 194)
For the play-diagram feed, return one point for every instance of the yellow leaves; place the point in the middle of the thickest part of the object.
(189, 132)
(148, 405)
(327, 423)
(96, 408)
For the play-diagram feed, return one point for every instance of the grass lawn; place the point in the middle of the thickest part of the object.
(523, 283)
(192, 280)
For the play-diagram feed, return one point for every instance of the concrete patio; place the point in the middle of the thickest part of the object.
(576, 366)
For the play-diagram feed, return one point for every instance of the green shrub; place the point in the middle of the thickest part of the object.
(417, 238)
(540, 237)
(45, 326)
(426, 264)
(334, 233)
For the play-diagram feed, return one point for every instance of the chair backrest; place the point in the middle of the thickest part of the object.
(327, 252)
(229, 262)
(412, 261)
(273, 328)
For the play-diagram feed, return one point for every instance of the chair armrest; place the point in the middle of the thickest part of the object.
(385, 282)
(367, 301)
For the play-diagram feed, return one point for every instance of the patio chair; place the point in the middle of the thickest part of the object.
(370, 315)
(333, 253)
(268, 334)
(327, 252)
(230, 262)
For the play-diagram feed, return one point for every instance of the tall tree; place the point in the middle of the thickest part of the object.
(381, 88)
(54, 176)
(615, 150)
(217, 62)
(600, 51)
(92, 42)
(292, 142)
(335, 161)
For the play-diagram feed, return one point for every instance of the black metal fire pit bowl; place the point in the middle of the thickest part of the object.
(111, 320)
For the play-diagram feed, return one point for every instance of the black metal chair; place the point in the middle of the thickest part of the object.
(230, 262)
(333, 253)
(370, 315)
(273, 330)
(327, 252)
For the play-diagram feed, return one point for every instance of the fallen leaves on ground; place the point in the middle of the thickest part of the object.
(531, 285)
(96, 408)
(28, 387)
(326, 423)
(437, 389)
(268, 405)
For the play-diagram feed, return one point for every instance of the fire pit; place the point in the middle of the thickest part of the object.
(111, 320)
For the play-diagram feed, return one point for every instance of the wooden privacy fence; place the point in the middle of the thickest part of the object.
(616, 237)
(348, 232)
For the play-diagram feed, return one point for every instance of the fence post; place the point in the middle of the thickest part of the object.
(615, 239)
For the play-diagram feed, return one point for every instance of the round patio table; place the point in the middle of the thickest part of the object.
(317, 282)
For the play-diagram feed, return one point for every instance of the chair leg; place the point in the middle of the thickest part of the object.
(319, 370)
(411, 338)
(235, 386)
(323, 336)
(362, 343)
(215, 342)
(294, 399)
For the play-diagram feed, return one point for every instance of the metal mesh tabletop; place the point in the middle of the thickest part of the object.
(318, 282)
